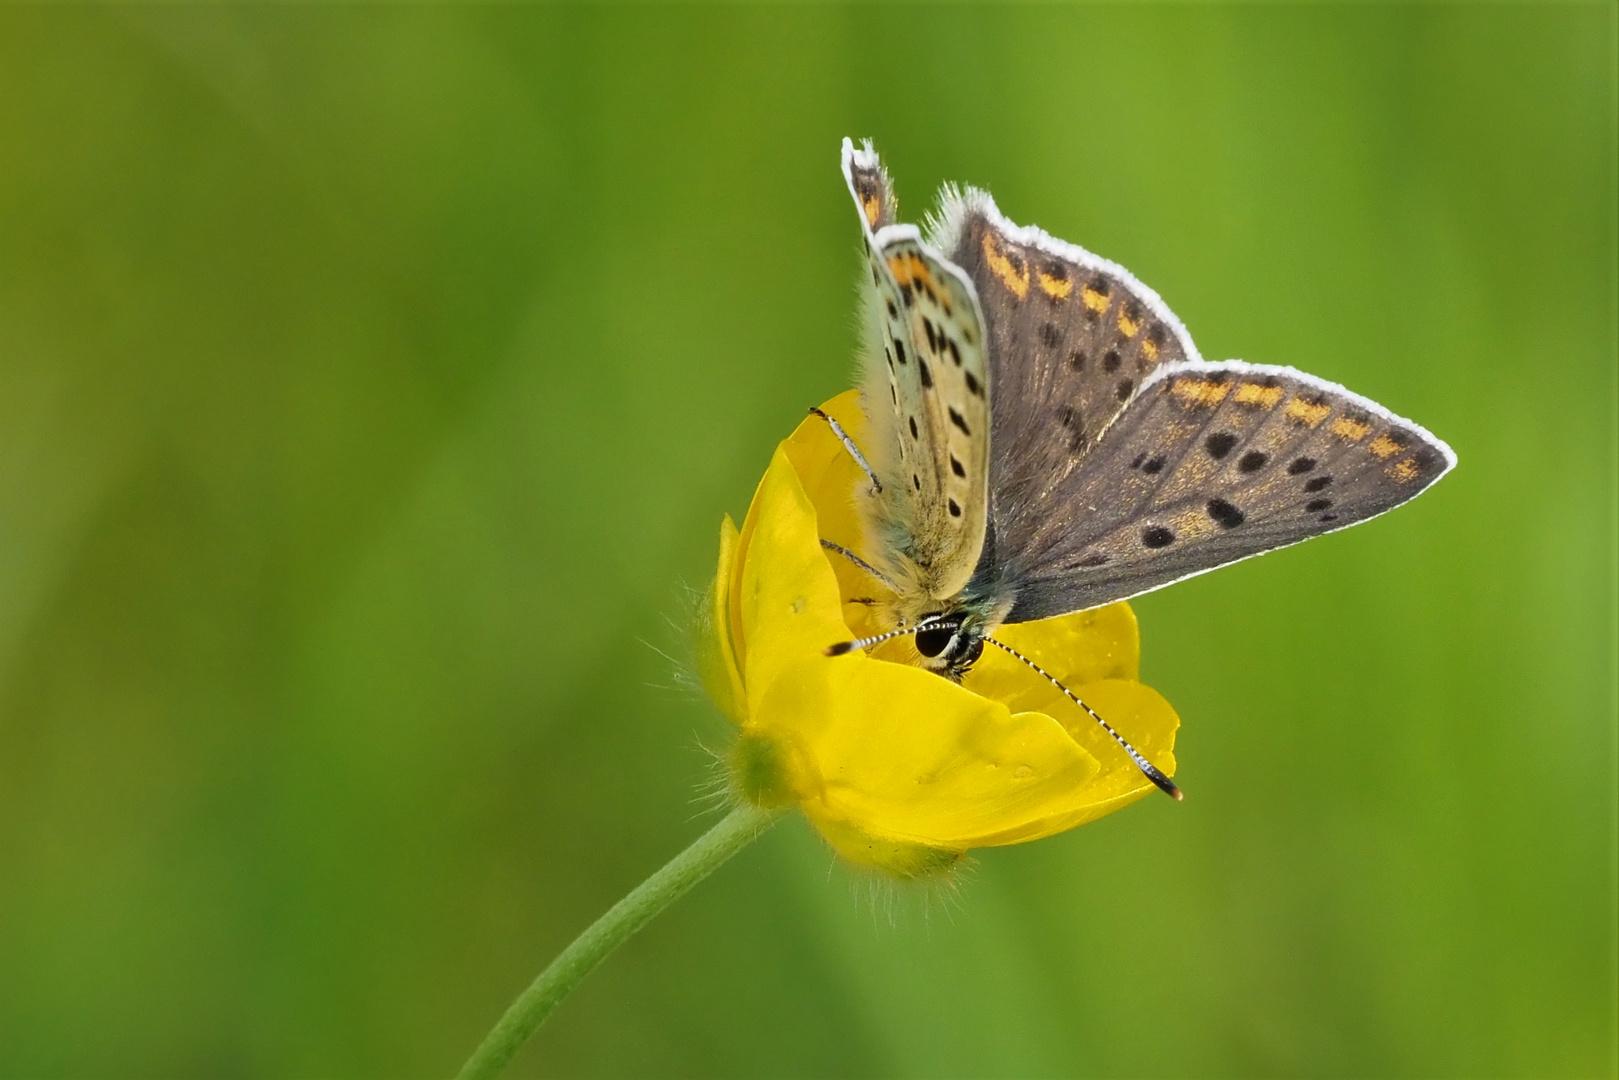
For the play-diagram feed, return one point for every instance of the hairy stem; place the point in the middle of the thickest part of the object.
(621, 922)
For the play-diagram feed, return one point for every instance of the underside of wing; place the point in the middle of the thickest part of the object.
(926, 393)
(1209, 464)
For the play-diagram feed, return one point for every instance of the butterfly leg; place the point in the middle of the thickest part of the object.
(862, 563)
(854, 451)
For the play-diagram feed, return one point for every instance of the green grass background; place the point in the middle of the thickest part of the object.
(373, 379)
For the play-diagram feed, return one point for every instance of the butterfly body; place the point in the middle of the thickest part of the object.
(1047, 439)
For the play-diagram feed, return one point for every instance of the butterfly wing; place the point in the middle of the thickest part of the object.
(1209, 464)
(1071, 335)
(926, 391)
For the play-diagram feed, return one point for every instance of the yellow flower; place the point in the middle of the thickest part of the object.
(898, 768)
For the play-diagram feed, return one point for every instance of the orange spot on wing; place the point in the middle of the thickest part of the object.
(1150, 349)
(1302, 410)
(1200, 391)
(1056, 288)
(1404, 471)
(1384, 447)
(1353, 430)
(873, 209)
(1015, 277)
(1093, 300)
(910, 269)
(1191, 524)
(1255, 394)
(1128, 327)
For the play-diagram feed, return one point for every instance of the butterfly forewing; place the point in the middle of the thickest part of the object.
(925, 355)
(1071, 336)
(869, 184)
(1209, 464)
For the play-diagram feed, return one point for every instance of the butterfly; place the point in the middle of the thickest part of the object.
(1046, 439)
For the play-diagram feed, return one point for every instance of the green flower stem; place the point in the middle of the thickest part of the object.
(739, 829)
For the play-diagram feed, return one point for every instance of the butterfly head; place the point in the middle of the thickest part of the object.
(948, 642)
(952, 645)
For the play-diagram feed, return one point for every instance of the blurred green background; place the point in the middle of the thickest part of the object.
(373, 379)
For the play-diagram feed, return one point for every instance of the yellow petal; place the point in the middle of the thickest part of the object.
(901, 858)
(835, 486)
(1142, 716)
(1103, 643)
(716, 650)
(909, 756)
(788, 602)
(828, 474)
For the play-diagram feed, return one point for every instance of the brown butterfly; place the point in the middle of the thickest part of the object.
(1046, 438)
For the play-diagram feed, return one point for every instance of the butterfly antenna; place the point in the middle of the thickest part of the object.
(933, 623)
(1165, 784)
(854, 451)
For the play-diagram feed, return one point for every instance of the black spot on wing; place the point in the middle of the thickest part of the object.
(1219, 444)
(1224, 514)
(1318, 483)
(1157, 536)
(1301, 465)
(1252, 461)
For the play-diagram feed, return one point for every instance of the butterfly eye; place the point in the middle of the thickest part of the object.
(933, 641)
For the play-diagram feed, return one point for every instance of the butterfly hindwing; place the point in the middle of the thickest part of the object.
(925, 356)
(1209, 464)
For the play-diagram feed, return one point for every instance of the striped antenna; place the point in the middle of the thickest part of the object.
(1165, 784)
(931, 623)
